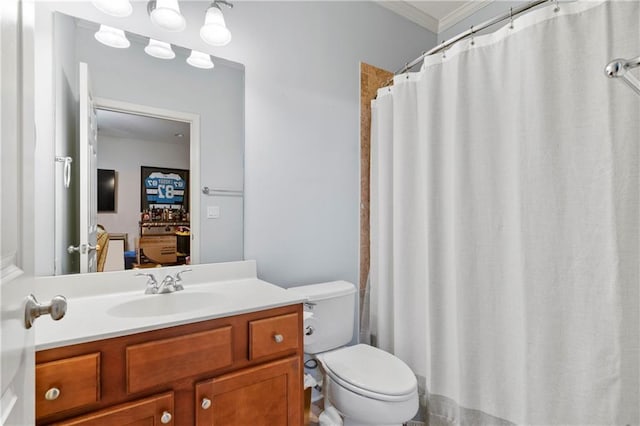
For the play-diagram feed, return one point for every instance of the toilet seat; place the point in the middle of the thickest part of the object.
(370, 372)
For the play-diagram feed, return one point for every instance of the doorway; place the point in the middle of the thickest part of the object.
(172, 141)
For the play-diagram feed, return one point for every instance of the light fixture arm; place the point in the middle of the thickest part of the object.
(217, 3)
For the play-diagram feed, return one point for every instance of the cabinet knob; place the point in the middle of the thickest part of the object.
(205, 404)
(166, 418)
(52, 394)
(278, 338)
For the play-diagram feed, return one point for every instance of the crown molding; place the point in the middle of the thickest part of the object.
(461, 13)
(413, 14)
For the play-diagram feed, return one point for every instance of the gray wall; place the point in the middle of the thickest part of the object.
(66, 143)
(125, 156)
(302, 120)
(302, 140)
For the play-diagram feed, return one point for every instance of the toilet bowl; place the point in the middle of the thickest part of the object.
(369, 386)
(366, 385)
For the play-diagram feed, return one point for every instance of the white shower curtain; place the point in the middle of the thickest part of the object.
(505, 223)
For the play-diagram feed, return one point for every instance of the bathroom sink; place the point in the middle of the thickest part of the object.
(153, 305)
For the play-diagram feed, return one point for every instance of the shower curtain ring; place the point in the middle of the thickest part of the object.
(444, 50)
(473, 42)
(511, 17)
(557, 7)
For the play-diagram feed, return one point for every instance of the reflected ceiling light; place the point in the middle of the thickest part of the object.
(199, 60)
(112, 37)
(166, 14)
(214, 31)
(119, 8)
(159, 49)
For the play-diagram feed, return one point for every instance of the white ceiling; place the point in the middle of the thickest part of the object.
(139, 127)
(436, 16)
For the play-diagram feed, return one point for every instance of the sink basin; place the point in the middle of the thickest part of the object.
(152, 305)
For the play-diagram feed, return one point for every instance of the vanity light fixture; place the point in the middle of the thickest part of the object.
(200, 60)
(166, 14)
(118, 8)
(112, 37)
(159, 49)
(215, 31)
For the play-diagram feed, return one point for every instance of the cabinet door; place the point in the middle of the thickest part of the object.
(154, 411)
(266, 395)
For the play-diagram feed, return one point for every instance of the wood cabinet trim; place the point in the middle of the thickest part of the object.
(262, 334)
(134, 411)
(113, 377)
(77, 380)
(288, 369)
(165, 361)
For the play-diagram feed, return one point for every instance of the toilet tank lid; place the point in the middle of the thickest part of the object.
(325, 290)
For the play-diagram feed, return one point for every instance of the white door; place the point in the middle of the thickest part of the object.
(88, 172)
(16, 343)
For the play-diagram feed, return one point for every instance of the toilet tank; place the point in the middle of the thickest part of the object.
(332, 306)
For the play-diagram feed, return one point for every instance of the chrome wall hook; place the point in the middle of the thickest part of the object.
(67, 169)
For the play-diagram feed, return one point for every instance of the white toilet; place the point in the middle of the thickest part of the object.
(366, 385)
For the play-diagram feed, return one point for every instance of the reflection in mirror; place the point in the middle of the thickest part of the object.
(184, 124)
(147, 223)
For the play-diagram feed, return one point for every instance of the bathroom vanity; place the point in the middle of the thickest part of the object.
(225, 352)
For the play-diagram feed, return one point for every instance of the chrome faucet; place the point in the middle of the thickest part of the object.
(152, 283)
(169, 284)
(178, 280)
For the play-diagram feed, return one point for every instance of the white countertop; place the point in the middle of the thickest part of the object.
(104, 315)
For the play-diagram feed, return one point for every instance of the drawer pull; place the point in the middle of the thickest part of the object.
(52, 394)
(166, 418)
(278, 338)
(205, 404)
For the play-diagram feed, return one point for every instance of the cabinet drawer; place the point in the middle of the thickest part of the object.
(162, 362)
(273, 335)
(67, 383)
(149, 411)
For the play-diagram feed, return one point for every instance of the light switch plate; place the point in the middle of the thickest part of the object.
(213, 212)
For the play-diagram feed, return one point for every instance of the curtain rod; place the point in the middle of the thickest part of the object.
(619, 68)
(446, 44)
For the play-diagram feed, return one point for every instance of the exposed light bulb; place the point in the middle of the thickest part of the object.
(214, 31)
(159, 49)
(119, 8)
(112, 37)
(200, 60)
(166, 14)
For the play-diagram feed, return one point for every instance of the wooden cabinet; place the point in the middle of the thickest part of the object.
(249, 368)
(67, 383)
(152, 411)
(272, 336)
(266, 395)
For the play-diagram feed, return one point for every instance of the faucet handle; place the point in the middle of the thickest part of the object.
(152, 283)
(178, 277)
(178, 280)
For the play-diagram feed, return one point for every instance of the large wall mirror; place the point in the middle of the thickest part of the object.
(165, 184)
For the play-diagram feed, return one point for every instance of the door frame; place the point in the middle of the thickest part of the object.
(194, 155)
